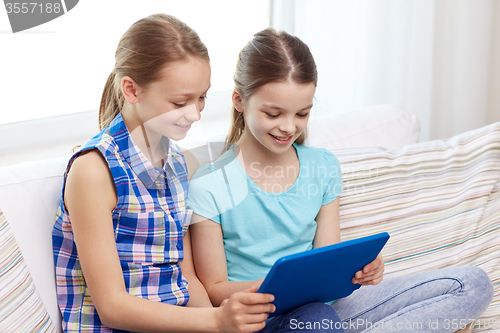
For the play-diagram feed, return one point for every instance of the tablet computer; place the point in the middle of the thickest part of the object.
(320, 275)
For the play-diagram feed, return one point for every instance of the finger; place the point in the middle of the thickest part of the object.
(257, 318)
(361, 277)
(373, 272)
(365, 271)
(378, 276)
(376, 263)
(370, 269)
(224, 302)
(252, 323)
(373, 281)
(255, 327)
(253, 298)
(261, 308)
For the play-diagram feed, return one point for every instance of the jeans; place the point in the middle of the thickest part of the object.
(310, 318)
(435, 301)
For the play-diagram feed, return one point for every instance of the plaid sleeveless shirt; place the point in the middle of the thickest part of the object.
(149, 220)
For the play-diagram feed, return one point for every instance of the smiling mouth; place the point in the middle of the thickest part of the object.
(281, 138)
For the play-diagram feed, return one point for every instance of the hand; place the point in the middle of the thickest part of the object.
(372, 273)
(245, 311)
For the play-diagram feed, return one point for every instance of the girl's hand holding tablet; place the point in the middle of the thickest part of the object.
(245, 311)
(373, 273)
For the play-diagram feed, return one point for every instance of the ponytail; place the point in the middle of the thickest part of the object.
(236, 130)
(111, 102)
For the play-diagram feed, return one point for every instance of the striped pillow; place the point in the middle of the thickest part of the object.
(439, 200)
(21, 308)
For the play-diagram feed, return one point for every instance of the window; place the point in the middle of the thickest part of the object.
(60, 67)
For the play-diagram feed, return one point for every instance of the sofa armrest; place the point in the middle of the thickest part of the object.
(29, 197)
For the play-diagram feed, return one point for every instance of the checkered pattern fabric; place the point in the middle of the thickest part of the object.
(149, 222)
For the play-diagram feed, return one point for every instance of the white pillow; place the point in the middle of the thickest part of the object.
(439, 201)
(379, 125)
(21, 308)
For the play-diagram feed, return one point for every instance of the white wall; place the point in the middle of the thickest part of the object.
(57, 136)
(439, 59)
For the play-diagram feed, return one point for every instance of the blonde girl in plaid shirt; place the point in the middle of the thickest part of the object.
(122, 223)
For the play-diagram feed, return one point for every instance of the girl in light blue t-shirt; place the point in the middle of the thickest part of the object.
(268, 196)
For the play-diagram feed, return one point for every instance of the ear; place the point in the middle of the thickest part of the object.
(237, 101)
(129, 89)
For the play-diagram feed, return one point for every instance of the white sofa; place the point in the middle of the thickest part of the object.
(439, 200)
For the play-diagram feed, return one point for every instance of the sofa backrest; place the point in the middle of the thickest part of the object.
(378, 125)
(439, 200)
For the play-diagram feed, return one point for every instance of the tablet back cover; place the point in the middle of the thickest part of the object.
(320, 275)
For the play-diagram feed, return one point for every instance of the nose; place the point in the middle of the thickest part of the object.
(193, 112)
(288, 125)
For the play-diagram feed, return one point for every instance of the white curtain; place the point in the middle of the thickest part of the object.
(439, 59)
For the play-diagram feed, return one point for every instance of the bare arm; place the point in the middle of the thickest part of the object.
(90, 198)
(198, 296)
(328, 225)
(328, 232)
(210, 261)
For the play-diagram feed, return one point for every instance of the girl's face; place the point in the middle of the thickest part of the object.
(169, 106)
(276, 114)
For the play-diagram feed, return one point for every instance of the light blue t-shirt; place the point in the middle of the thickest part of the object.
(260, 227)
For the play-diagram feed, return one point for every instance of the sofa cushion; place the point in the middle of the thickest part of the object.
(21, 308)
(439, 200)
(29, 197)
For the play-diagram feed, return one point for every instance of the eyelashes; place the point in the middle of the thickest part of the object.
(301, 115)
(181, 105)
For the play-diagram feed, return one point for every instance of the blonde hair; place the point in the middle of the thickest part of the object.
(143, 50)
(270, 56)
